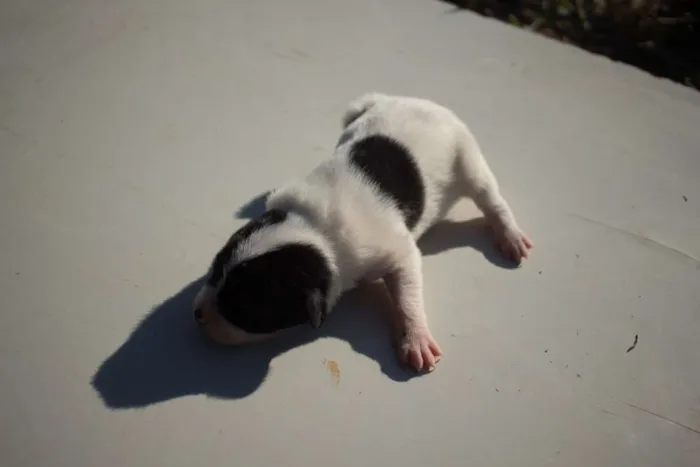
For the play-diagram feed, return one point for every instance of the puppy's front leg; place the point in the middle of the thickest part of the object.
(416, 345)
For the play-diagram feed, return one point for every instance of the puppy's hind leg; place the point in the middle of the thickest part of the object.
(481, 185)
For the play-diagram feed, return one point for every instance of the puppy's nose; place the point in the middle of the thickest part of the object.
(199, 315)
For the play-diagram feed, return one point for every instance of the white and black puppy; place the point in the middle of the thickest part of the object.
(400, 164)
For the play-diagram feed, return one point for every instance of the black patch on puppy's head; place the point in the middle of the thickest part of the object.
(223, 257)
(279, 289)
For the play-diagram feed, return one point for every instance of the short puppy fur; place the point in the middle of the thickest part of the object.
(399, 165)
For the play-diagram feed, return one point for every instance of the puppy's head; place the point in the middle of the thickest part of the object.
(271, 275)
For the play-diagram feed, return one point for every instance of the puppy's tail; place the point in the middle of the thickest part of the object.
(359, 106)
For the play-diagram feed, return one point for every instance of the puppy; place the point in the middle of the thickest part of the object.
(400, 164)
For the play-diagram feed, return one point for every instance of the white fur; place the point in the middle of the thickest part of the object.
(365, 231)
(363, 234)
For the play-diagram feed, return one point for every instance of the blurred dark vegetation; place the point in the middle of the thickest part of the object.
(659, 36)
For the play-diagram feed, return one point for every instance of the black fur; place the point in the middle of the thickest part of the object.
(279, 289)
(388, 164)
(223, 257)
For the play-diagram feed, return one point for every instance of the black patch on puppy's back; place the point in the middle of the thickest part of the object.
(223, 257)
(276, 290)
(391, 166)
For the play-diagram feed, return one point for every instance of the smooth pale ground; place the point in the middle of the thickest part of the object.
(130, 132)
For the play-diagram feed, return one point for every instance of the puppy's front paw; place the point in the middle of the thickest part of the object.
(513, 243)
(419, 350)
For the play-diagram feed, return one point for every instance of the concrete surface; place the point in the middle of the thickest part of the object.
(133, 131)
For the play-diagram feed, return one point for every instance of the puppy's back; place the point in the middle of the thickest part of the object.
(391, 174)
(430, 135)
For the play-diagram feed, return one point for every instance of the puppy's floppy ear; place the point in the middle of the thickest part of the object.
(316, 305)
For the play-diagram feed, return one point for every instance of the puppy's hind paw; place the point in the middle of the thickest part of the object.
(513, 244)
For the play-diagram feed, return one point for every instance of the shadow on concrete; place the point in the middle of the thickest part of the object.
(253, 208)
(166, 356)
(473, 233)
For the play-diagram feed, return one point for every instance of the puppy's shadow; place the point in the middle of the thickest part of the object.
(473, 233)
(166, 357)
(253, 208)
